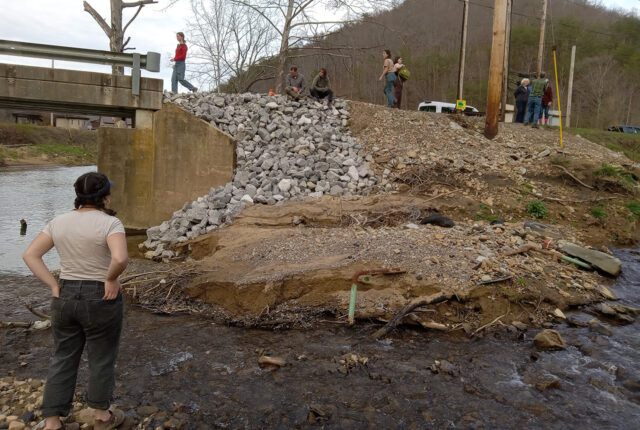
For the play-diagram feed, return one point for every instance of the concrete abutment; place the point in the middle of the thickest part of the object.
(170, 158)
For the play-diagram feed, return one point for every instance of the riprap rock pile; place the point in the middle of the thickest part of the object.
(286, 150)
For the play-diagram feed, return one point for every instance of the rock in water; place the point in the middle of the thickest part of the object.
(602, 261)
(549, 339)
(597, 327)
(439, 220)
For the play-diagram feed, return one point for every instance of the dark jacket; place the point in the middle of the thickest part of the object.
(321, 84)
(547, 97)
(521, 94)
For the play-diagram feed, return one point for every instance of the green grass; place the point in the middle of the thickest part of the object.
(633, 206)
(63, 149)
(628, 144)
(598, 212)
(485, 214)
(537, 209)
(625, 178)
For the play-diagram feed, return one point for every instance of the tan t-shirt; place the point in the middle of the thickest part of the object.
(81, 241)
(387, 65)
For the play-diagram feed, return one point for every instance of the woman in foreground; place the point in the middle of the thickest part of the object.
(86, 304)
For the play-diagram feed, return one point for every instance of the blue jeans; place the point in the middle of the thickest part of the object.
(534, 106)
(178, 76)
(390, 80)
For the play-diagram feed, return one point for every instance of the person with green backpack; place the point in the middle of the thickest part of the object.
(402, 74)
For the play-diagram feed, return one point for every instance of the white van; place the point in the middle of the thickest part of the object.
(444, 107)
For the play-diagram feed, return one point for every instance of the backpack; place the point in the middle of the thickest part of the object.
(404, 73)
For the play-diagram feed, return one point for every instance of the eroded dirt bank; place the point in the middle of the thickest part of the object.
(280, 265)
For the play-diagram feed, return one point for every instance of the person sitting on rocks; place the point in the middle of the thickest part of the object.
(321, 87)
(295, 83)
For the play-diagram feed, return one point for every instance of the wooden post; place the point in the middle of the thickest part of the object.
(570, 89)
(505, 70)
(542, 27)
(463, 47)
(495, 68)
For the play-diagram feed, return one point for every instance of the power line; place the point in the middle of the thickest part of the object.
(559, 23)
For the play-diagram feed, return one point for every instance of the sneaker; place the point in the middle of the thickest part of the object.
(525, 124)
(534, 126)
(116, 417)
(195, 89)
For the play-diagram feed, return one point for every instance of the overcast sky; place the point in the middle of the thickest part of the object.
(64, 22)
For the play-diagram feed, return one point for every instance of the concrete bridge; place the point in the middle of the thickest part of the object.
(168, 158)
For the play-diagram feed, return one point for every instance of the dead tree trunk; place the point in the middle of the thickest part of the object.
(115, 31)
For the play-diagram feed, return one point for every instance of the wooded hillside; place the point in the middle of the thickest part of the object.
(426, 33)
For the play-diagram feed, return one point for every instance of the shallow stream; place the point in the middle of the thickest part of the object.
(212, 370)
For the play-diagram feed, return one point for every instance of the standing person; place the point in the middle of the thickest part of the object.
(179, 66)
(547, 99)
(86, 304)
(534, 104)
(522, 96)
(295, 83)
(389, 76)
(399, 84)
(321, 87)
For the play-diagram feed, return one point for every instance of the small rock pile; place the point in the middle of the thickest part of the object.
(19, 402)
(286, 150)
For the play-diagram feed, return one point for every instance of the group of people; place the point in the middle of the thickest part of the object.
(394, 74)
(296, 85)
(533, 100)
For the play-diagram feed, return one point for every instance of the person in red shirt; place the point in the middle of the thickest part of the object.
(179, 66)
(547, 99)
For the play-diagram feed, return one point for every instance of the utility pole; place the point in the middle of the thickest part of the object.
(495, 68)
(51, 119)
(463, 47)
(542, 27)
(505, 70)
(570, 90)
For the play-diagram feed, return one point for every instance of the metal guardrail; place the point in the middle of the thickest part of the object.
(150, 61)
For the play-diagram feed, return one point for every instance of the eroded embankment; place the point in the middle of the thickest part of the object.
(286, 265)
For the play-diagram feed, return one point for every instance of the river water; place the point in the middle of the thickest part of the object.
(485, 382)
(35, 195)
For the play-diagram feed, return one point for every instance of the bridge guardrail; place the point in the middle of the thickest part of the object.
(136, 61)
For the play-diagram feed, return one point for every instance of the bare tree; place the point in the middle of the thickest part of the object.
(298, 21)
(228, 42)
(593, 83)
(115, 31)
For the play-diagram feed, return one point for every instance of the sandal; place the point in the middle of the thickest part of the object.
(116, 417)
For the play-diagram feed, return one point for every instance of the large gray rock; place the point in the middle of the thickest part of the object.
(600, 260)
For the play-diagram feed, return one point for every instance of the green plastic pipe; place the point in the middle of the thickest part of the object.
(577, 262)
(352, 304)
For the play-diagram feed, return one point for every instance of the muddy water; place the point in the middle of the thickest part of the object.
(485, 382)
